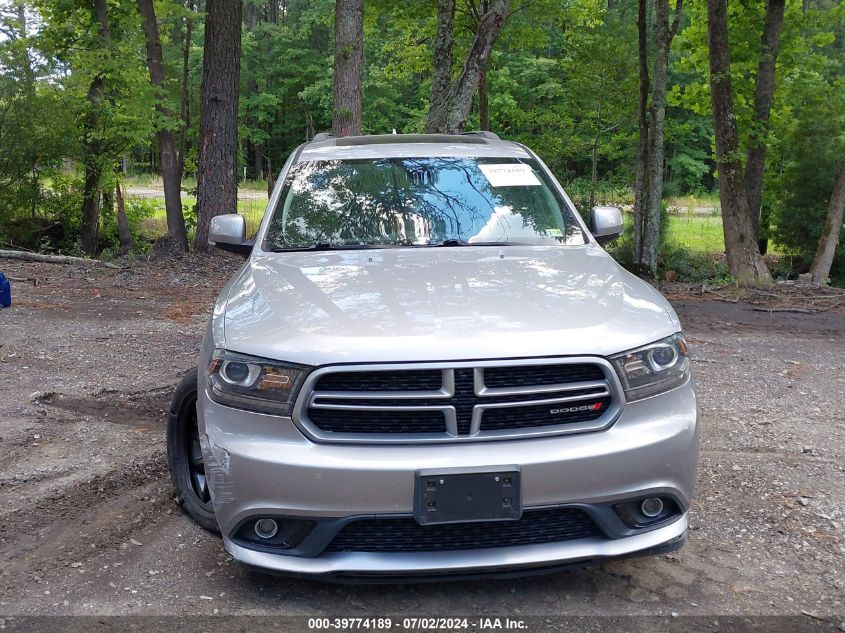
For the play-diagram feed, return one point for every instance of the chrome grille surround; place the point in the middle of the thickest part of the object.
(607, 388)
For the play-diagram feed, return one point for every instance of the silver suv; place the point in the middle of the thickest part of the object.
(428, 366)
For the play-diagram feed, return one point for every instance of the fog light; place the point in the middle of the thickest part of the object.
(651, 507)
(267, 528)
(276, 532)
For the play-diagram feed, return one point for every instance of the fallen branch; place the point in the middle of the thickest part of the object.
(798, 310)
(21, 280)
(53, 259)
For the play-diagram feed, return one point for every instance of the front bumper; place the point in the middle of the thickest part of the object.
(422, 564)
(263, 465)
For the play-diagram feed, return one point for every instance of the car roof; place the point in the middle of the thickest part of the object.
(327, 147)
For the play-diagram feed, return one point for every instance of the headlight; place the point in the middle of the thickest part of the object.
(653, 368)
(256, 384)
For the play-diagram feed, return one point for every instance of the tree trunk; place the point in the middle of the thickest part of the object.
(348, 67)
(253, 149)
(477, 61)
(124, 235)
(594, 172)
(92, 147)
(271, 179)
(21, 7)
(184, 112)
(764, 93)
(171, 172)
(91, 188)
(257, 161)
(642, 148)
(744, 259)
(217, 184)
(654, 189)
(28, 71)
(823, 260)
(483, 102)
(441, 80)
(654, 167)
(451, 103)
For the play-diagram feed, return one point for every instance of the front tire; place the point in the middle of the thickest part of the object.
(184, 455)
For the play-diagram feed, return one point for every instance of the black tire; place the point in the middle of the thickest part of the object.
(184, 455)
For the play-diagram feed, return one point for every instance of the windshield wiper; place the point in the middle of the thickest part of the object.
(455, 242)
(327, 246)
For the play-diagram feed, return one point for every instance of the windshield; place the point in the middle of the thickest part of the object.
(419, 202)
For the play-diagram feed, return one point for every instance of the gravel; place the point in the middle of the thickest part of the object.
(88, 359)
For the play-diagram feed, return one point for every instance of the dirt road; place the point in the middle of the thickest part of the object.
(158, 192)
(87, 525)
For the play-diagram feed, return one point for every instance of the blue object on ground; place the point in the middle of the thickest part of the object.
(5, 292)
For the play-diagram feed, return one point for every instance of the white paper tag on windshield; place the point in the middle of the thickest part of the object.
(510, 175)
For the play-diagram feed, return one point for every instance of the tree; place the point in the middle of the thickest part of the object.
(217, 183)
(442, 60)
(764, 94)
(654, 159)
(124, 234)
(823, 259)
(348, 67)
(34, 130)
(473, 12)
(184, 90)
(171, 163)
(92, 154)
(743, 254)
(451, 101)
(642, 124)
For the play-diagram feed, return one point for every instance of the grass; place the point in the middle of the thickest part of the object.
(698, 233)
(252, 210)
(689, 202)
(188, 182)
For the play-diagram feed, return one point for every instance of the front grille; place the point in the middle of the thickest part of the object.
(443, 403)
(378, 421)
(531, 375)
(401, 380)
(538, 415)
(552, 525)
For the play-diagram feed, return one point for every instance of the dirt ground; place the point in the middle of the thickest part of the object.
(88, 358)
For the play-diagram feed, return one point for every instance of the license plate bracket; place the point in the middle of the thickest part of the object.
(462, 495)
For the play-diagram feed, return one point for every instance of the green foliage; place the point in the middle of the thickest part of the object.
(137, 210)
(806, 146)
(563, 79)
(286, 78)
(56, 225)
(811, 149)
(565, 88)
(34, 126)
(684, 264)
(683, 254)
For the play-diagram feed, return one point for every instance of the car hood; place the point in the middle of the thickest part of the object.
(431, 304)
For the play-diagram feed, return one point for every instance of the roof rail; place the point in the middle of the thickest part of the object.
(388, 139)
(322, 136)
(483, 134)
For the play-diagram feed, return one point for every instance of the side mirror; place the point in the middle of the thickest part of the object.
(607, 224)
(228, 232)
